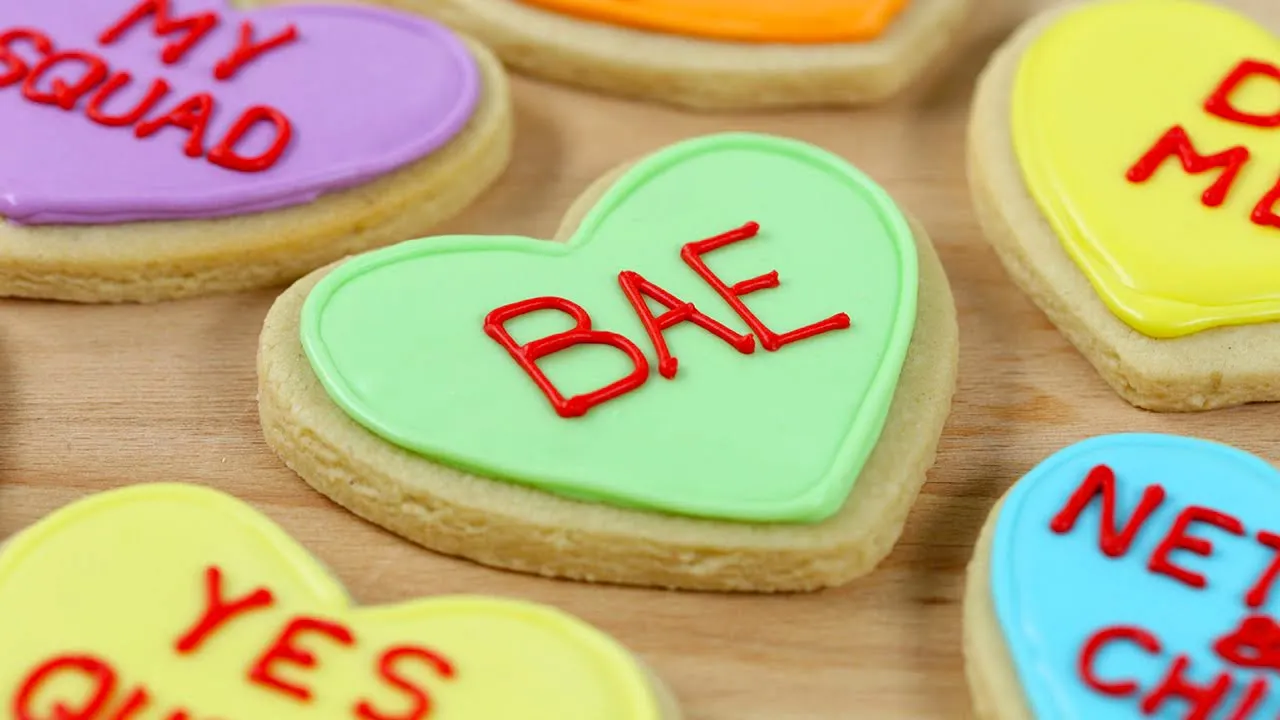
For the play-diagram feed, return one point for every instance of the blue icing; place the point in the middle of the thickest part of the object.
(1053, 592)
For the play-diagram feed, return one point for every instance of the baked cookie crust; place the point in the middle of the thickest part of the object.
(988, 666)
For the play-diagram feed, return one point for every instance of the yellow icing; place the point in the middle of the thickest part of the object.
(121, 576)
(1092, 96)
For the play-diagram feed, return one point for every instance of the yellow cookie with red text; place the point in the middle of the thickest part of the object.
(731, 375)
(1131, 191)
(156, 149)
(177, 601)
(715, 54)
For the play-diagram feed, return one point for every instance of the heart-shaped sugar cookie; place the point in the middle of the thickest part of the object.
(177, 601)
(1155, 158)
(1132, 191)
(715, 54)
(1130, 576)
(122, 110)
(760, 402)
(731, 375)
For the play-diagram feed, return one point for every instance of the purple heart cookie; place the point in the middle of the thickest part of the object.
(114, 111)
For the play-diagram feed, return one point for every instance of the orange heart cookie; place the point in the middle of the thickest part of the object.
(179, 602)
(816, 21)
(715, 54)
(1132, 192)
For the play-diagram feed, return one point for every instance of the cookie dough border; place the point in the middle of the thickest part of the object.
(988, 665)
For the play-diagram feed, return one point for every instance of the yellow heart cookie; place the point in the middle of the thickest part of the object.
(177, 602)
(1148, 132)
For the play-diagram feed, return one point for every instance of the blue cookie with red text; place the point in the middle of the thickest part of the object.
(1129, 576)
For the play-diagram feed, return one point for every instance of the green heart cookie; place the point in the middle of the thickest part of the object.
(398, 338)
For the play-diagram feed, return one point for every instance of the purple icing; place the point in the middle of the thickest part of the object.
(367, 91)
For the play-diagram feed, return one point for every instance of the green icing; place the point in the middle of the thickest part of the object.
(396, 337)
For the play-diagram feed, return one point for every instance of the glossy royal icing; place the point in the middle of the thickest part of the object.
(778, 280)
(1133, 576)
(1155, 158)
(179, 602)
(764, 21)
(127, 110)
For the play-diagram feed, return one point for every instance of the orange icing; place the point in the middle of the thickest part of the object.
(814, 21)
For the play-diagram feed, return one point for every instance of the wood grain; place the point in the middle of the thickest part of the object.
(98, 397)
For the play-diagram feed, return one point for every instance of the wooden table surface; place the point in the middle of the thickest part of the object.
(93, 398)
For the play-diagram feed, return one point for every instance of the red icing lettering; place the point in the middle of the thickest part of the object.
(1255, 644)
(285, 650)
(248, 50)
(191, 115)
(15, 68)
(771, 341)
(1257, 595)
(387, 669)
(1101, 479)
(1253, 694)
(139, 702)
(1116, 688)
(1178, 539)
(1219, 103)
(1265, 212)
(527, 356)
(1175, 143)
(1200, 700)
(159, 88)
(89, 668)
(60, 93)
(218, 611)
(1204, 700)
(136, 703)
(194, 28)
(225, 155)
(637, 288)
